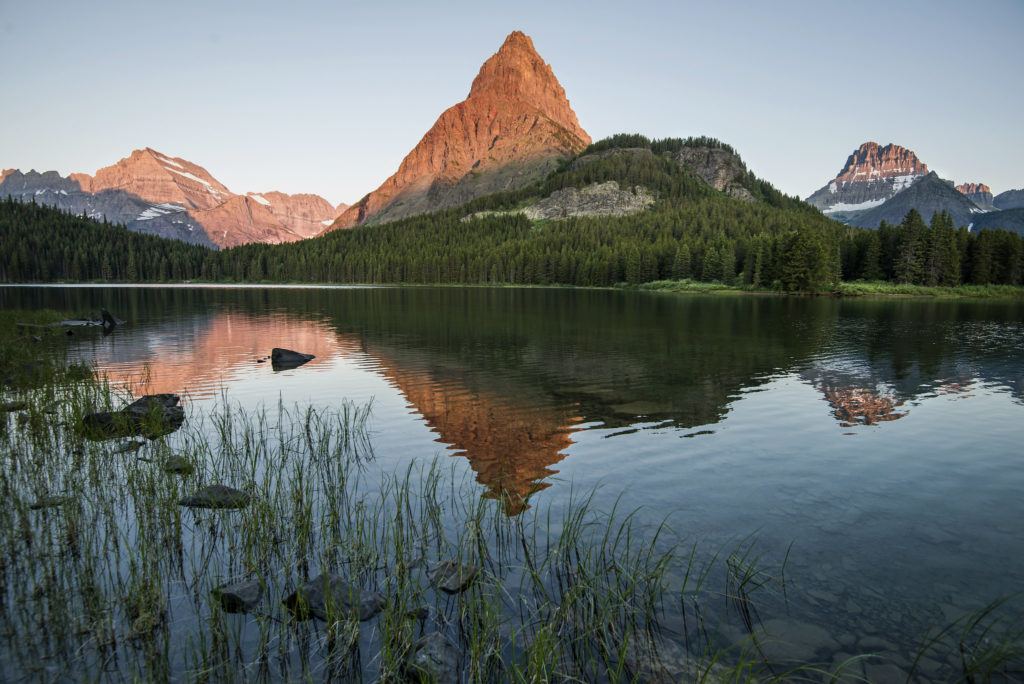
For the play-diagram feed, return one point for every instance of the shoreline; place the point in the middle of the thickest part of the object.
(845, 290)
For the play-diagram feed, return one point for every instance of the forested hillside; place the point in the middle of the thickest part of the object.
(765, 239)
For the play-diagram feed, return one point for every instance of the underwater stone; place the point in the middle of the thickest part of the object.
(433, 659)
(179, 465)
(326, 591)
(452, 577)
(216, 496)
(239, 597)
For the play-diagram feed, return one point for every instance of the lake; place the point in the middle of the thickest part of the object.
(871, 448)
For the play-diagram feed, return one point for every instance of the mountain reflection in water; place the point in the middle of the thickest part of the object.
(504, 377)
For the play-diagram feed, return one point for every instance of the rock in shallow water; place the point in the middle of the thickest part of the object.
(452, 577)
(332, 593)
(216, 496)
(151, 416)
(282, 359)
(433, 659)
(178, 465)
(239, 597)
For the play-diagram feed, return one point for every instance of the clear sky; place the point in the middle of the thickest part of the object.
(328, 97)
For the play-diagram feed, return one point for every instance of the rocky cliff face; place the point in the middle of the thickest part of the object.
(150, 192)
(304, 214)
(513, 127)
(979, 193)
(599, 199)
(721, 169)
(1011, 199)
(928, 195)
(872, 174)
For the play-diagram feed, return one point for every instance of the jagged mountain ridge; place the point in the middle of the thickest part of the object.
(151, 192)
(928, 196)
(979, 193)
(1001, 219)
(1010, 199)
(512, 129)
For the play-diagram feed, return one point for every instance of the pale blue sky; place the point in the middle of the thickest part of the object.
(328, 97)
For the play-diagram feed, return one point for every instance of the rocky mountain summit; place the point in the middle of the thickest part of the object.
(154, 193)
(979, 193)
(513, 128)
(872, 174)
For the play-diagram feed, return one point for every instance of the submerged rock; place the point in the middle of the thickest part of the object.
(151, 416)
(129, 447)
(421, 613)
(660, 660)
(178, 465)
(282, 359)
(451, 577)
(239, 597)
(49, 502)
(216, 496)
(433, 659)
(327, 592)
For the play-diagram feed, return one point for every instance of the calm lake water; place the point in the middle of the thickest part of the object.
(879, 442)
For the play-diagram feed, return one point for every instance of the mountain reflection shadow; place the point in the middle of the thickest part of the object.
(510, 445)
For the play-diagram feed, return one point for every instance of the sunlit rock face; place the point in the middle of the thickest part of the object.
(979, 193)
(513, 127)
(872, 174)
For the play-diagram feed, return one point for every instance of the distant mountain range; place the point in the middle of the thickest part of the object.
(515, 128)
(154, 193)
(883, 182)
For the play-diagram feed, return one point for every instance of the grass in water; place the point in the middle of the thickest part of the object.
(107, 578)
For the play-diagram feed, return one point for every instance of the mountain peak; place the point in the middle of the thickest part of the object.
(516, 72)
(510, 130)
(871, 175)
